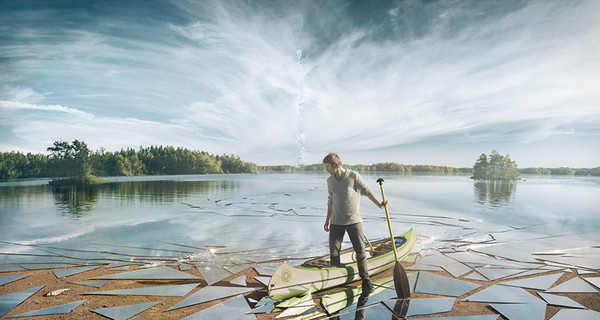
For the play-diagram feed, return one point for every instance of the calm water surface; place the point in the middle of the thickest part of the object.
(283, 214)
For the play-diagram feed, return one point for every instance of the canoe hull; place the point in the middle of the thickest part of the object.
(290, 281)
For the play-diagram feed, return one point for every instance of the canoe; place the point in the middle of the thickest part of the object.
(316, 274)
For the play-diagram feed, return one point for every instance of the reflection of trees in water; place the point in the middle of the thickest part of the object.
(497, 193)
(76, 201)
(164, 191)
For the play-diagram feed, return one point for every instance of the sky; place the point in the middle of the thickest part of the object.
(286, 82)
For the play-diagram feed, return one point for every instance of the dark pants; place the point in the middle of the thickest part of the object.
(355, 232)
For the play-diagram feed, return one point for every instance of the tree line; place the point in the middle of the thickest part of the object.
(75, 159)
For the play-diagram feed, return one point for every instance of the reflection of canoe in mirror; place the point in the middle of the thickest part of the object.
(316, 275)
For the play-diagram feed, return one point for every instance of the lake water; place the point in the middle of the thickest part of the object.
(262, 217)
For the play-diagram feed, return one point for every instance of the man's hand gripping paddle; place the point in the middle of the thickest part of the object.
(400, 278)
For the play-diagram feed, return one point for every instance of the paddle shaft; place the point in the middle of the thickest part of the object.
(387, 216)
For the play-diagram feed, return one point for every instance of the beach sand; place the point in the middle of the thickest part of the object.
(46, 277)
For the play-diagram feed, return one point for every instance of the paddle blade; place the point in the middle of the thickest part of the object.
(401, 282)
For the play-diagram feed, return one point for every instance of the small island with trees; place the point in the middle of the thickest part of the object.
(495, 167)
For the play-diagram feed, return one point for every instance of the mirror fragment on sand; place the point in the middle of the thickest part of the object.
(11, 300)
(502, 294)
(473, 317)
(429, 306)
(61, 309)
(235, 308)
(561, 301)
(441, 285)
(571, 314)
(11, 278)
(212, 273)
(47, 266)
(61, 273)
(518, 311)
(160, 273)
(375, 311)
(210, 293)
(163, 291)
(497, 273)
(593, 280)
(575, 285)
(125, 312)
(475, 276)
(95, 284)
(539, 283)
(263, 280)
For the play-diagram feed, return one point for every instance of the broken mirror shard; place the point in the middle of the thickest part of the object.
(440, 285)
(160, 273)
(429, 306)
(240, 281)
(593, 280)
(502, 294)
(528, 311)
(560, 301)
(575, 285)
(61, 273)
(539, 283)
(297, 306)
(212, 273)
(376, 311)
(61, 309)
(263, 280)
(11, 278)
(210, 293)
(475, 276)
(125, 312)
(163, 291)
(95, 284)
(497, 273)
(473, 317)
(11, 300)
(571, 314)
(235, 308)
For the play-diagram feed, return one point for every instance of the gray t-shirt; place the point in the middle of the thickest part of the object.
(344, 197)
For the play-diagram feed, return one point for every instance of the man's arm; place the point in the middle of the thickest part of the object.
(329, 211)
(374, 199)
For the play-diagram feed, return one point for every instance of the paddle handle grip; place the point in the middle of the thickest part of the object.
(387, 216)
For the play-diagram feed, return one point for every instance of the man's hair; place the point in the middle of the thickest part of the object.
(333, 159)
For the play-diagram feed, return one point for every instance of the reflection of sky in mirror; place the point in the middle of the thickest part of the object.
(266, 216)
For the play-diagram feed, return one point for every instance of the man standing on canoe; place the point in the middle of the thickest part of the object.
(345, 187)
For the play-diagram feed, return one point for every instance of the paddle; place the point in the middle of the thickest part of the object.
(400, 278)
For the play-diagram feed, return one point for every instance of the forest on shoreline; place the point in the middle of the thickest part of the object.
(169, 160)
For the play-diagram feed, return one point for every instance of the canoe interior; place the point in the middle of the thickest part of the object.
(347, 256)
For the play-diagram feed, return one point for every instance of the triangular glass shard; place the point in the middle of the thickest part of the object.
(440, 285)
(263, 280)
(376, 311)
(300, 306)
(474, 317)
(47, 266)
(125, 312)
(11, 300)
(266, 269)
(11, 278)
(429, 306)
(95, 284)
(519, 311)
(235, 308)
(208, 294)
(240, 281)
(62, 309)
(561, 301)
(61, 273)
(593, 280)
(163, 291)
(475, 276)
(424, 267)
(497, 273)
(574, 285)
(502, 294)
(457, 269)
(160, 273)
(212, 273)
(570, 314)
(539, 283)
(531, 272)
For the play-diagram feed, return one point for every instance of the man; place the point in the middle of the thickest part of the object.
(345, 187)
